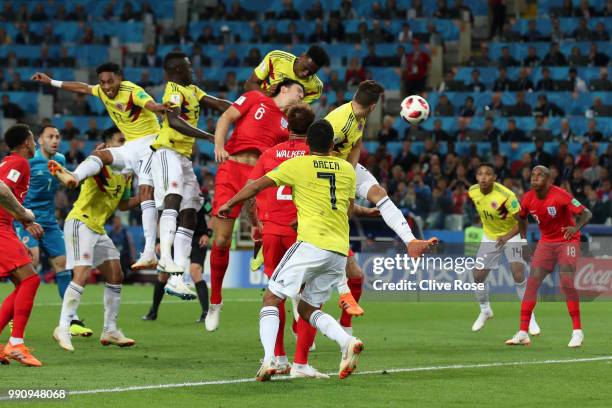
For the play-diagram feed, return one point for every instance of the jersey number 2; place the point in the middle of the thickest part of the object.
(280, 196)
(331, 177)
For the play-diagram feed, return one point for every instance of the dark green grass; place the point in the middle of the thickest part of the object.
(175, 349)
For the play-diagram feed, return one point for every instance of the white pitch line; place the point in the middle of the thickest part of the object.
(144, 302)
(371, 372)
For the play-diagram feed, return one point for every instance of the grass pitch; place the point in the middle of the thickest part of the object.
(422, 354)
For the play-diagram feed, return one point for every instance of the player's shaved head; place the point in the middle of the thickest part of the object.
(368, 93)
(178, 67)
(543, 169)
(540, 179)
(300, 117)
(320, 136)
(173, 60)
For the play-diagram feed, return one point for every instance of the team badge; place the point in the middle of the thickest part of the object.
(494, 204)
(360, 127)
(552, 211)
(284, 123)
(119, 106)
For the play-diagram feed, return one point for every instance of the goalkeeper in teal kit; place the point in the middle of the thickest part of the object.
(41, 199)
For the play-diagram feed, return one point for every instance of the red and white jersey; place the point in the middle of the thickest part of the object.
(275, 206)
(552, 213)
(261, 124)
(15, 173)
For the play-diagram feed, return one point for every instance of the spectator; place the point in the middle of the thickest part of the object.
(289, 12)
(347, 12)
(406, 159)
(230, 83)
(207, 36)
(315, 12)
(577, 59)
(272, 35)
(582, 32)
(502, 83)
(378, 34)
(554, 57)
(319, 34)
(514, 134)
(334, 82)
(444, 107)
(600, 33)
(508, 34)
(75, 155)
(25, 36)
(461, 134)
(416, 10)
(355, 73)
(88, 36)
(397, 60)
(434, 38)
(556, 32)
(482, 59)
(417, 68)
(442, 11)
(38, 13)
(236, 12)
(372, 59)
(180, 36)
(254, 58)
(540, 156)
(321, 107)
(532, 59)
(597, 58)
(498, 12)
(123, 242)
(462, 12)
(601, 209)
(566, 134)
(293, 36)
(579, 85)
(438, 134)
(599, 109)
(44, 60)
(523, 83)
(406, 35)
(532, 34)
(476, 85)
(5, 39)
(450, 84)
(65, 60)
(150, 58)
(490, 132)
(80, 107)
(546, 108)
(592, 134)
(11, 110)
(507, 60)
(546, 83)
(468, 109)
(23, 13)
(387, 133)
(232, 60)
(70, 132)
(335, 29)
(128, 13)
(92, 133)
(562, 155)
(378, 12)
(16, 84)
(495, 107)
(340, 99)
(584, 10)
(520, 108)
(199, 60)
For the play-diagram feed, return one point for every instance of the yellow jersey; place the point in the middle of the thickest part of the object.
(278, 65)
(128, 112)
(99, 197)
(322, 189)
(187, 98)
(347, 129)
(496, 209)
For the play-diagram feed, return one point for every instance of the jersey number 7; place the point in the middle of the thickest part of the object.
(331, 177)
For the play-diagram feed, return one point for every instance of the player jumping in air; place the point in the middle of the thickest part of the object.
(15, 262)
(41, 200)
(323, 189)
(177, 192)
(279, 65)
(348, 121)
(88, 247)
(554, 210)
(498, 209)
(259, 123)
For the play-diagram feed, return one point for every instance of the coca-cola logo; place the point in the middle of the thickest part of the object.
(595, 275)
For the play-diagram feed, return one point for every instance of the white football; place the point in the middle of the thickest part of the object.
(415, 109)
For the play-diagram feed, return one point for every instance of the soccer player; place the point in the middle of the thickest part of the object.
(177, 192)
(41, 200)
(259, 123)
(134, 112)
(554, 210)
(199, 246)
(88, 246)
(323, 189)
(279, 65)
(15, 262)
(348, 121)
(498, 209)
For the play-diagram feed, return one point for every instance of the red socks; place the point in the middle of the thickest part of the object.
(305, 337)
(6, 311)
(24, 300)
(529, 302)
(219, 259)
(572, 300)
(355, 285)
(279, 347)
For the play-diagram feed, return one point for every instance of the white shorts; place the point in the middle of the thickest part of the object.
(85, 247)
(364, 181)
(304, 263)
(135, 156)
(173, 174)
(491, 255)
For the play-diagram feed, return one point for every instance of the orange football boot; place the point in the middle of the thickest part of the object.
(63, 175)
(22, 354)
(418, 247)
(348, 303)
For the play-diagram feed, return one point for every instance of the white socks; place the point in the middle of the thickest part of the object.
(70, 304)
(15, 340)
(89, 167)
(268, 328)
(395, 219)
(112, 300)
(482, 296)
(149, 225)
(182, 247)
(167, 229)
(329, 327)
(520, 288)
(343, 285)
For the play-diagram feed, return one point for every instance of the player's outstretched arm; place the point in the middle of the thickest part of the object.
(78, 87)
(253, 83)
(360, 211)
(126, 205)
(157, 107)
(182, 126)
(217, 104)
(9, 202)
(248, 191)
(228, 117)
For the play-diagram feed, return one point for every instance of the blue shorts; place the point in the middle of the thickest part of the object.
(52, 241)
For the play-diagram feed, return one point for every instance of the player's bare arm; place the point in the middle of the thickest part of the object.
(353, 156)
(126, 205)
(522, 228)
(501, 241)
(251, 209)
(253, 83)
(9, 202)
(351, 207)
(157, 107)
(34, 229)
(248, 191)
(582, 220)
(228, 117)
(217, 104)
(360, 211)
(72, 86)
(182, 126)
